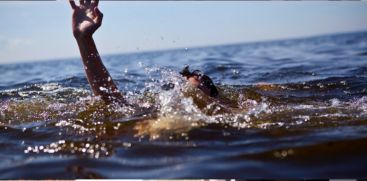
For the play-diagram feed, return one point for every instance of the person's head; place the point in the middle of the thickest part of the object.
(201, 81)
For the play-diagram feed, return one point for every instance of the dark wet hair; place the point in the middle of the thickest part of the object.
(185, 71)
(206, 83)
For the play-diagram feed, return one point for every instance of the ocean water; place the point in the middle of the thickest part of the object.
(287, 109)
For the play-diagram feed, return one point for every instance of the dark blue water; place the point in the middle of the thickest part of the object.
(287, 109)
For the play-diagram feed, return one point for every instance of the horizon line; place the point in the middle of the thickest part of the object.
(191, 47)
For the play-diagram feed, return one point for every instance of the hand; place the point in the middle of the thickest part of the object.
(86, 18)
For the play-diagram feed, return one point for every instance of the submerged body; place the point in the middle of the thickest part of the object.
(310, 122)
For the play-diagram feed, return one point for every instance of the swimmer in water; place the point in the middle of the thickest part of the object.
(86, 19)
(201, 81)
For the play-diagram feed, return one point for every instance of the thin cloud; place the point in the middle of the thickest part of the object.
(3, 43)
(17, 43)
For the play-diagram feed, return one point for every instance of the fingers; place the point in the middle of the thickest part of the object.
(95, 2)
(99, 16)
(72, 4)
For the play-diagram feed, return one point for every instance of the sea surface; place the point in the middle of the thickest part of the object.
(292, 108)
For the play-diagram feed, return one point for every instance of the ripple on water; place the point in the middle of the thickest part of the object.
(286, 108)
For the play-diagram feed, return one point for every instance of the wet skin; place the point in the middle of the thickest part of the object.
(86, 19)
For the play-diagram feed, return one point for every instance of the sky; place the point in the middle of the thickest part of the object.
(41, 30)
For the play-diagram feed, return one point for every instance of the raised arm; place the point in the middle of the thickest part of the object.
(86, 19)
